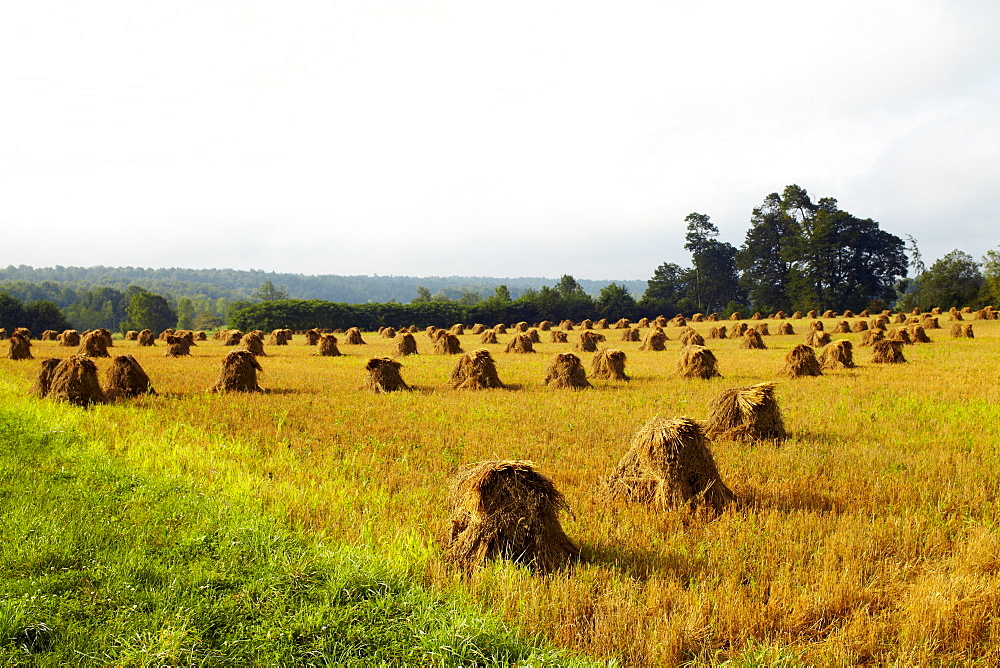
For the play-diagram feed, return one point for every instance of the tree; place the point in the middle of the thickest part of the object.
(954, 280)
(469, 297)
(568, 287)
(148, 311)
(575, 303)
(664, 291)
(267, 292)
(502, 294)
(423, 295)
(991, 275)
(763, 258)
(40, 315)
(185, 313)
(11, 312)
(616, 302)
(714, 282)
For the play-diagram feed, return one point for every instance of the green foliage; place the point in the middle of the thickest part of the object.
(666, 291)
(100, 566)
(37, 315)
(991, 277)
(954, 280)
(148, 311)
(616, 302)
(712, 282)
(423, 295)
(11, 312)
(268, 292)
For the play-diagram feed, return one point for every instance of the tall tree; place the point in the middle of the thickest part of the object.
(664, 291)
(615, 302)
(268, 292)
(954, 280)
(714, 282)
(148, 311)
(764, 257)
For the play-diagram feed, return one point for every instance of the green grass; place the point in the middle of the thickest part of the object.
(101, 566)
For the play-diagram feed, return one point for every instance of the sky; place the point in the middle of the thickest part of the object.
(489, 139)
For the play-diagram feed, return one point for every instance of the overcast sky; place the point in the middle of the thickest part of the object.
(473, 138)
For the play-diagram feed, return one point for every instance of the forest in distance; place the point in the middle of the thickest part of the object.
(798, 254)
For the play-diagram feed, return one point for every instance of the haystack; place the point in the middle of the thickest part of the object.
(475, 370)
(44, 378)
(500, 329)
(608, 363)
(630, 334)
(489, 336)
(312, 337)
(678, 321)
(738, 330)
(816, 326)
(655, 340)
(870, 336)
(801, 361)
(918, 335)
(643, 323)
(431, 332)
(74, 380)
(586, 323)
(559, 336)
(520, 343)
(477, 329)
(601, 324)
(200, 335)
(849, 313)
(125, 379)
(930, 322)
(507, 510)
(187, 335)
(786, 329)
(69, 338)
(587, 342)
(887, 352)
(545, 325)
(698, 317)
(232, 337)
(864, 314)
(717, 332)
(828, 314)
(178, 346)
(535, 338)
(253, 344)
(962, 331)
(146, 339)
(659, 321)
(566, 371)
(837, 355)
(746, 414)
(756, 315)
(130, 335)
(388, 332)
(880, 323)
(238, 373)
(3, 334)
(668, 463)
(697, 362)
(899, 334)
(797, 315)
(447, 344)
(691, 338)
(842, 327)
(899, 319)
(817, 339)
(279, 337)
(353, 337)
(384, 377)
(49, 335)
(93, 345)
(163, 335)
(811, 314)
(327, 346)
(405, 344)
(520, 327)
(712, 317)
(753, 341)
(735, 316)
(762, 329)
(859, 326)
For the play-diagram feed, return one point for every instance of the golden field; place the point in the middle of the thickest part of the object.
(872, 535)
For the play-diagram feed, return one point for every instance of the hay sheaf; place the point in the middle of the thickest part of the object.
(801, 361)
(655, 341)
(739, 330)
(668, 463)
(70, 338)
(489, 336)
(870, 336)
(630, 334)
(93, 345)
(559, 336)
(253, 343)
(506, 510)
(566, 371)
(74, 380)
(837, 355)
(475, 370)
(918, 335)
(44, 377)
(587, 343)
(520, 343)
(477, 329)
(691, 338)
(786, 329)
(146, 339)
(962, 331)
(312, 337)
(19, 348)
(817, 338)
(327, 346)
(447, 344)
(816, 325)
(762, 329)
(238, 373)
(842, 327)
(887, 352)
(753, 341)
(49, 335)
(697, 362)
(405, 344)
(279, 337)
(746, 414)
(384, 376)
(717, 332)
(901, 335)
(859, 326)
(609, 364)
(232, 337)
(177, 346)
(125, 379)
(353, 337)
(930, 322)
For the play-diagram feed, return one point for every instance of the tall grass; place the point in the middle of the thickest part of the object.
(869, 536)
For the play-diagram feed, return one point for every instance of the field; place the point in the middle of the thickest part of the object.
(872, 535)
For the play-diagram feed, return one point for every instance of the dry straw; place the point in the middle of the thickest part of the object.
(870, 336)
(887, 352)
(74, 380)
(786, 329)
(19, 348)
(717, 332)
(232, 337)
(655, 340)
(801, 361)
(859, 326)
(475, 370)
(488, 336)
(125, 378)
(587, 342)
(312, 337)
(253, 343)
(70, 338)
(738, 330)
(746, 414)
(559, 336)
(608, 364)
(817, 338)
(238, 373)
(178, 346)
(327, 346)
(353, 337)
(752, 341)
(842, 327)
(697, 362)
(566, 371)
(406, 344)
(447, 344)
(505, 510)
(899, 334)
(962, 331)
(918, 335)
(837, 355)
(93, 344)
(691, 338)
(630, 334)
(520, 343)
(668, 463)
(384, 377)
(44, 377)
(762, 329)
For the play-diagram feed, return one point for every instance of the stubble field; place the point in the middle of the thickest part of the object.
(869, 536)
